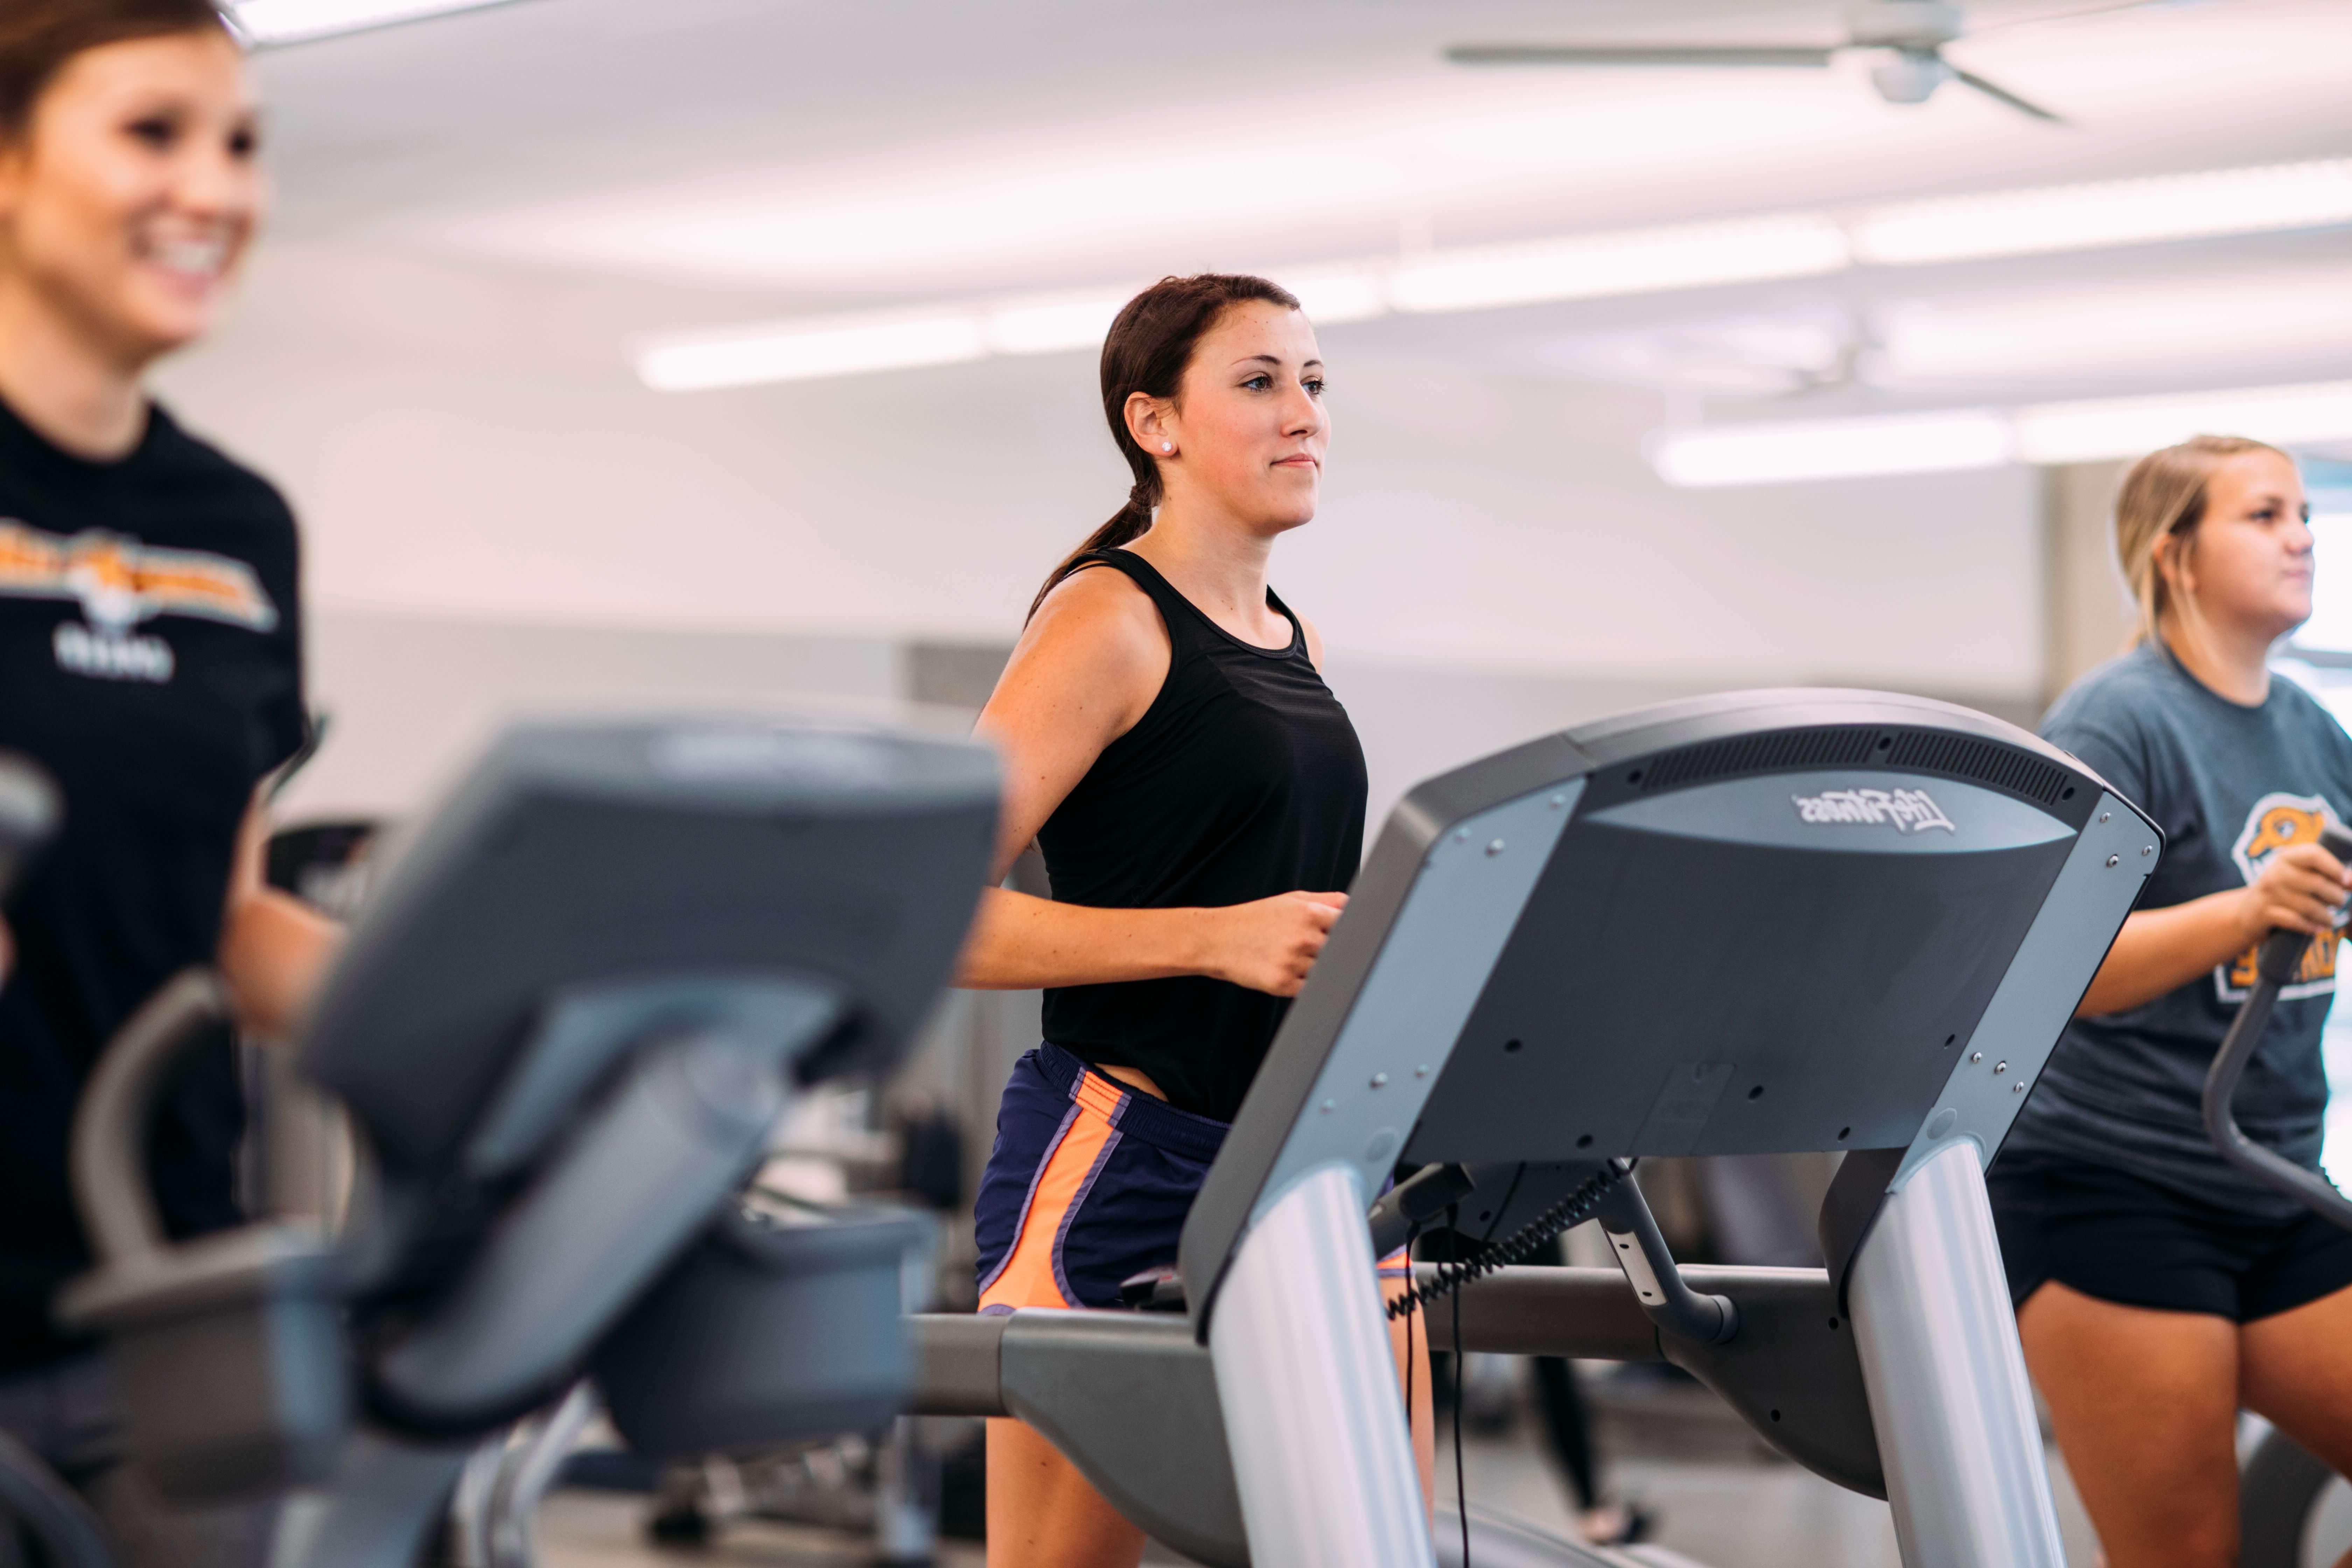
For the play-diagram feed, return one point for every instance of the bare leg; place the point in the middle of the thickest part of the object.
(2145, 1403)
(1408, 1336)
(2298, 1372)
(1043, 1514)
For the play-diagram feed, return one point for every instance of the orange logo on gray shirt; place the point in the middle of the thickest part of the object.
(2280, 821)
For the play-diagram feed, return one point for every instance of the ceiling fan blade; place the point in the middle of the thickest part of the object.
(1636, 55)
(2005, 96)
(2082, 11)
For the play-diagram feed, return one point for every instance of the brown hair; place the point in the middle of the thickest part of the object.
(2164, 497)
(39, 37)
(1148, 345)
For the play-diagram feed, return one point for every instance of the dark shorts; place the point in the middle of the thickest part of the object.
(1088, 1183)
(2121, 1238)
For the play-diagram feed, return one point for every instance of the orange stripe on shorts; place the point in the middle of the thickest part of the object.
(1027, 1278)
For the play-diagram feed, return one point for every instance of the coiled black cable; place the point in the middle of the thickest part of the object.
(1520, 1244)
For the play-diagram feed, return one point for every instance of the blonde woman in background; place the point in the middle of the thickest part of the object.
(2159, 1291)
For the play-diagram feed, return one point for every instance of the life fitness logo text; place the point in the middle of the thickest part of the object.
(1904, 810)
(120, 583)
(2279, 821)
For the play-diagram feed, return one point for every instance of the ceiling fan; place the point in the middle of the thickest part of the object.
(1911, 33)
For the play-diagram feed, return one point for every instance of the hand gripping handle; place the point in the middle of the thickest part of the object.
(2276, 964)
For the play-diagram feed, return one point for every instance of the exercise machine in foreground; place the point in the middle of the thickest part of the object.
(29, 812)
(563, 1026)
(1769, 923)
(2284, 1484)
(37, 1509)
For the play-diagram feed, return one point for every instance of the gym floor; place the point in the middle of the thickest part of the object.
(1716, 1498)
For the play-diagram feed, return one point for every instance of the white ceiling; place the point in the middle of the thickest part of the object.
(480, 214)
(688, 163)
(548, 126)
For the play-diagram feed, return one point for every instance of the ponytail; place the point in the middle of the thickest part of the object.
(1147, 349)
(1129, 522)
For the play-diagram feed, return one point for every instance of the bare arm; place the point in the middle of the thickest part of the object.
(274, 949)
(1020, 944)
(1086, 670)
(2162, 950)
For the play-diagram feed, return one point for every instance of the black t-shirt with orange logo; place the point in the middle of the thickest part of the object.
(150, 660)
(2231, 786)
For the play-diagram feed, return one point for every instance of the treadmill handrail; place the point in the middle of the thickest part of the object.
(2274, 965)
(1649, 1267)
(109, 1130)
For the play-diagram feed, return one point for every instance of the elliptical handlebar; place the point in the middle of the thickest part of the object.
(2275, 964)
(29, 812)
(110, 1134)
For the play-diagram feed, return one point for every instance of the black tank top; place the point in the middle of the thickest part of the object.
(1243, 779)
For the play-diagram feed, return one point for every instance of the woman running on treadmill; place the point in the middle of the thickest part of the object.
(2159, 1290)
(1198, 794)
(150, 660)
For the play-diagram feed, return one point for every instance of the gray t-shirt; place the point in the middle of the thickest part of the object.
(2231, 786)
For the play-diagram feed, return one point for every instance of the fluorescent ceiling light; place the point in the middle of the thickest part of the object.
(2096, 216)
(1635, 261)
(2173, 326)
(817, 346)
(789, 352)
(2125, 426)
(1627, 262)
(1945, 441)
(294, 21)
(1835, 448)
(1045, 326)
(1641, 261)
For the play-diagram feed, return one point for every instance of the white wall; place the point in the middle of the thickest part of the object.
(410, 700)
(470, 444)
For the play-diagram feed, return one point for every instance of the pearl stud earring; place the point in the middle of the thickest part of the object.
(1167, 446)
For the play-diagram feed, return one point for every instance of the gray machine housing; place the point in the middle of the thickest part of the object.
(1678, 933)
(1583, 948)
(563, 1028)
(709, 1360)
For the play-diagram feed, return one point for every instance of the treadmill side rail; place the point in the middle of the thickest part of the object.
(1791, 1371)
(1349, 1072)
(1957, 1428)
(1157, 1453)
(1996, 1067)
(1314, 1418)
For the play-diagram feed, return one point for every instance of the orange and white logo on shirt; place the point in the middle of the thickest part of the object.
(2278, 822)
(120, 585)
